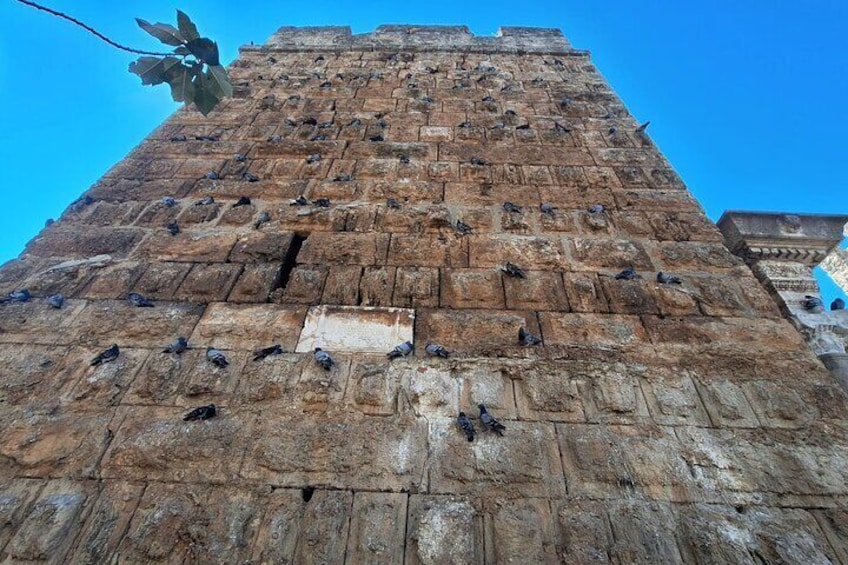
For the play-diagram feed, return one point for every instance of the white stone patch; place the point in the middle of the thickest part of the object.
(355, 329)
(446, 534)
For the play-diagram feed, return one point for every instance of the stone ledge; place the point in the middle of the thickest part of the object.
(419, 38)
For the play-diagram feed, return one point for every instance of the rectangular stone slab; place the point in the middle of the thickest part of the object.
(365, 329)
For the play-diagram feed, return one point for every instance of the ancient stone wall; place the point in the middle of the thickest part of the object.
(656, 424)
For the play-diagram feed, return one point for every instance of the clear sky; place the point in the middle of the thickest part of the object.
(747, 99)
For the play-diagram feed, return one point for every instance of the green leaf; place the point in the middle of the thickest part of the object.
(204, 97)
(187, 28)
(219, 81)
(166, 33)
(153, 70)
(180, 79)
(204, 49)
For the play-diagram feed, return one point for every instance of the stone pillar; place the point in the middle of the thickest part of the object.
(782, 251)
(836, 266)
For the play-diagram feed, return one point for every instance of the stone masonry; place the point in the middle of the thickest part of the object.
(656, 424)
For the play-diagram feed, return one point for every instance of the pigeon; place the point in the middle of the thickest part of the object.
(665, 278)
(527, 339)
(392, 203)
(16, 296)
(837, 304)
(212, 175)
(169, 201)
(263, 218)
(613, 130)
(260, 354)
(56, 300)
(177, 138)
(275, 138)
(325, 84)
(427, 100)
(404, 159)
(173, 228)
(318, 137)
(510, 113)
(249, 177)
(511, 208)
(376, 138)
(812, 304)
(466, 426)
(513, 271)
(464, 125)
(355, 123)
(323, 358)
(216, 357)
(560, 128)
(643, 127)
(107, 355)
(177, 346)
(202, 413)
(299, 201)
(546, 208)
(490, 422)
(205, 201)
(596, 209)
(319, 58)
(488, 99)
(325, 125)
(436, 350)
(523, 126)
(403, 350)
(242, 201)
(139, 301)
(314, 158)
(463, 228)
(499, 125)
(477, 161)
(240, 158)
(310, 122)
(207, 137)
(321, 202)
(627, 274)
(344, 177)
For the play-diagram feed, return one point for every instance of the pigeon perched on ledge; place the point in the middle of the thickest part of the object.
(436, 350)
(405, 349)
(812, 304)
(106, 356)
(56, 300)
(260, 354)
(489, 422)
(466, 426)
(665, 278)
(178, 346)
(513, 271)
(596, 209)
(216, 357)
(511, 208)
(323, 359)
(22, 295)
(139, 301)
(242, 201)
(202, 413)
(627, 274)
(463, 228)
(527, 339)
(547, 209)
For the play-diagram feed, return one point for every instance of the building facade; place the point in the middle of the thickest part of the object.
(360, 191)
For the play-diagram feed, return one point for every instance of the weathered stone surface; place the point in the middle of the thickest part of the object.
(444, 529)
(377, 528)
(109, 520)
(248, 326)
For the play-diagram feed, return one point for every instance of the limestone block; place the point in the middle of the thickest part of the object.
(198, 214)
(519, 531)
(248, 326)
(628, 297)
(475, 332)
(16, 498)
(188, 246)
(107, 523)
(428, 250)
(324, 528)
(342, 285)
(672, 398)
(209, 282)
(834, 524)
(256, 283)
(524, 462)
(731, 334)
(584, 293)
(113, 281)
(60, 442)
(347, 249)
(305, 285)
(353, 453)
(444, 529)
(154, 443)
(612, 254)
(484, 383)
(102, 385)
(161, 280)
(376, 286)
(780, 405)
(474, 194)
(644, 532)
(105, 322)
(539, 290)
(725, 401)
(31, 376)
(377, 528)
(583, 531)
(196, 523)
(413, 191)
(696, 256)
(471, 288)
(585, 329)
(35, 322)
(524, 155)
(528, 252)
(374, 384)
(161, 378)
(56, 517)
(139, 188)
(67, 242)
(261, 246)
(203, 382)
(280, 528)
(240, 216)
(548, 391)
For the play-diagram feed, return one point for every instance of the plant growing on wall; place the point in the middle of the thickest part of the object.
(192, 69)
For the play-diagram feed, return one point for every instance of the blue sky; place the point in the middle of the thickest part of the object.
(746, 99)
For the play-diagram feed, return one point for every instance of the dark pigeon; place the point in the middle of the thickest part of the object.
(323, 358)
(240, 158)
(404, 159)
(177, 346)
(436, 350)
(56, 300)
(216, 357)
(511, 208)
(178, 138)
(466, 426)
(489, 422)
(523, 126)
(812, 304)
(310, 122)
(212, 175)
(22, 295)
(249, 177)
(613, 130)
(463, 228)
(464, 125)
(837, 304)
(596, 209)
(546, 208)
(376, 138)
(107, 355)
(527, 339)
(560, 128)
(139, 301)
(476, 161)
(405, 349)
(205, 201)
(321, 202)
(202, 413)
(344, 177)
(242, 201)
(643, 127)
(314, 158)
(260, 354)
(392, 203)
(173, 227)
(627, 274)
(488, 99)
(299, 201)
(665, 278)
(513, 270)
(169, 201)
(275, 138)
(263, 217)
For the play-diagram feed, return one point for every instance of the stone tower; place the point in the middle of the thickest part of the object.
(655, 424)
